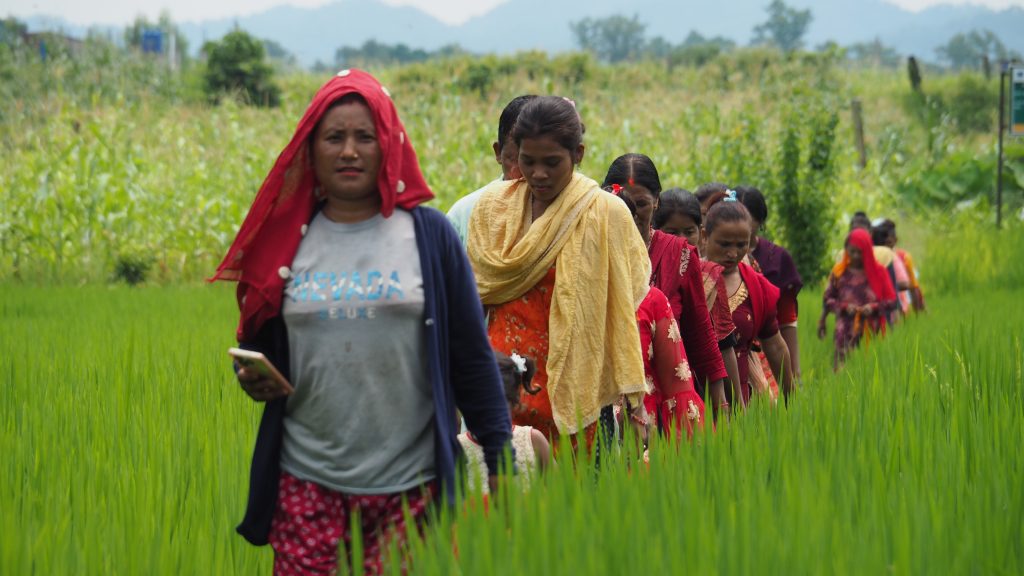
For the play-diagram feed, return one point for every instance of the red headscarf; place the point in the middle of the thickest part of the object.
(269, 237)
(878, 277)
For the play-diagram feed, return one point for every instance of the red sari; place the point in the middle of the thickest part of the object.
(673, 399)
(778, 267)
(718, 300)
(754, 316)
(761, 376)
(676, 271)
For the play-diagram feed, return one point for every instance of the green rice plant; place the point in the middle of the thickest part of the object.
(905, 462)
(965, 253)
(126, 440)
(124, 436)
(127, 444)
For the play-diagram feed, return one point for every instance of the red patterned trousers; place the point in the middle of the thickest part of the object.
(310, 522)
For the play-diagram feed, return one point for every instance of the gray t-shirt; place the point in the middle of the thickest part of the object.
(361, 420)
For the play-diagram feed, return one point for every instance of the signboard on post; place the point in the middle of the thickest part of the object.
(152, 41)
(1017, 101)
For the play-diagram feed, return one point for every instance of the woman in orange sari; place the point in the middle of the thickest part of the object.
(561, 272)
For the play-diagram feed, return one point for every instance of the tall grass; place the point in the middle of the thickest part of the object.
(126, 446)
(125, 441)
(104, 160)
(907, 462)
(966, 253)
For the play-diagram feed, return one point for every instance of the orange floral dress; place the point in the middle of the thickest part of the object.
(520, 326)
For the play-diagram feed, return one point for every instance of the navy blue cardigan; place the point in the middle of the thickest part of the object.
(462, 369)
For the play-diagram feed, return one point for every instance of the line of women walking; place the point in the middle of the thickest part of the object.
(607, 304)
(871, 288)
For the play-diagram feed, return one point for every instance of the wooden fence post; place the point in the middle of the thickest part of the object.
(858, 131)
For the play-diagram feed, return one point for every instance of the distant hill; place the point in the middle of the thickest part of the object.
(315, 33)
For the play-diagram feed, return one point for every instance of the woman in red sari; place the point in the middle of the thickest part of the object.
(679, 214)
(752, 298)
(778, 267)
(675, 270)
(672, 398)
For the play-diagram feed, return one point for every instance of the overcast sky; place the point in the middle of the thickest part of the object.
(451, 11)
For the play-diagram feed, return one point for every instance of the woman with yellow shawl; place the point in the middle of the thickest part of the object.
(561, 270)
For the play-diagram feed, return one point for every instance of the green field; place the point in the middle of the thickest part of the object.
(126, 439)
(126, 446)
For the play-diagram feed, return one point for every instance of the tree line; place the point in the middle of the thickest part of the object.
(623, 39)
(240, 63)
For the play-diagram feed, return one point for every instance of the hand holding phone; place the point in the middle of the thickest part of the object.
(258, 377)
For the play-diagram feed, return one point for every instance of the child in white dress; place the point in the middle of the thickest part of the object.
(532, 451)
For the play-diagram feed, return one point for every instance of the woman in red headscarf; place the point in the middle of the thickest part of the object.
(364, 300)
(860, 294)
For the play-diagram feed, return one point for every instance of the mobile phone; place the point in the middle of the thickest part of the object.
(257, 361)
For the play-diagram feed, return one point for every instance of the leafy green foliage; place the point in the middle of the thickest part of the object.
(785, 27)
(973, 104)
(611, 39)
(874, 53)
(964, 104)
(108, 151)
(132, 267)
(236, 65)
(133, 33)
(374, 54)
(279, 55)
(12, 30)
(974, 50)
(803, 204)
(962, 177)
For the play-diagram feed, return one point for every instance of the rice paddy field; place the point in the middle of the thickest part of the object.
(126, 440)
(126, 446)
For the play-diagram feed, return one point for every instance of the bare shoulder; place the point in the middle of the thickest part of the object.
(537, 437)
(541, 448)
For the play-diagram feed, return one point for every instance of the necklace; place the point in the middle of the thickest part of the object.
(650, 236)
(738, 296)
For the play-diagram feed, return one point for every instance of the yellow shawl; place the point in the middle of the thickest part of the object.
(884, 255)
(603, 272)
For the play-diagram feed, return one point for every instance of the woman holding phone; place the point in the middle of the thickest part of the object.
(366, 304)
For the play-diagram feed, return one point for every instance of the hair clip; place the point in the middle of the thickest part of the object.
(616, 189)
(520, 363)
(631, 182)
(570, 101)
(730, 196)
